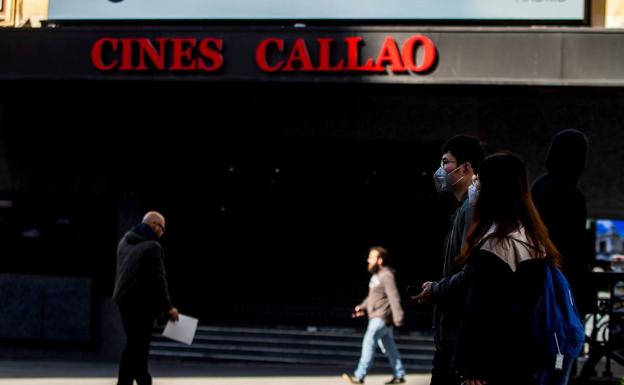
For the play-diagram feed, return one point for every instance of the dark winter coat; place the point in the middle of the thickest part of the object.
(141, 282)
(449, 294)
(494, 340)
(563, 209)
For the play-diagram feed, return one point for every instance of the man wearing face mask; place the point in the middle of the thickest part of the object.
(462, 156)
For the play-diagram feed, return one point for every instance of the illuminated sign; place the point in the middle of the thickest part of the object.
(416, 54)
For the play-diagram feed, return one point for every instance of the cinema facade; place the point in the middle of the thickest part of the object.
(548, 56)
(279, 154)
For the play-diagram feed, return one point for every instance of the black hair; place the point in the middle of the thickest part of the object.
(465, 148)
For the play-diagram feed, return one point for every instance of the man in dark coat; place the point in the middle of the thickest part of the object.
(141, 293)
(461, 158)
(563, 209)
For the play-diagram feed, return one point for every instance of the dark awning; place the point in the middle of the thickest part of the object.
(432, 55)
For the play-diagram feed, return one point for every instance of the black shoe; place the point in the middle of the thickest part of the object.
(396, 380)
(351, 379)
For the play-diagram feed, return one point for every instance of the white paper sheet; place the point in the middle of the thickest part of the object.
(183, 330)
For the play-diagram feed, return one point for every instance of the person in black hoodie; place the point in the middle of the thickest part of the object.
(142, 294)
(563, 209)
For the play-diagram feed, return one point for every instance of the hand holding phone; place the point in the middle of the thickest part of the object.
(411, 291)
(424, 297)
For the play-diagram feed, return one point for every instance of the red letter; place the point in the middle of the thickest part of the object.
(180, 52)
(126, 55)
(96, 54)
(325, 56)
(157, 56)
(261, 55)
(429, 55)
(353, 55)
(213, 54)
(300, 54)
(390, 53)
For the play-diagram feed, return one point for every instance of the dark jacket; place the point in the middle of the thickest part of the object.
(141, 282)
(494, 340)
(449, 293)
(563, 209)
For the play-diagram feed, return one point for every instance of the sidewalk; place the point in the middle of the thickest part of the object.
(172, 373)
(193, 373)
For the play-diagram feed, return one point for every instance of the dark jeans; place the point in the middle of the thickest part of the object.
(442, 373)
(138, 326)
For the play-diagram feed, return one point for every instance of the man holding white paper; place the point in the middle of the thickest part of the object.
(182, 330)
(142, 294)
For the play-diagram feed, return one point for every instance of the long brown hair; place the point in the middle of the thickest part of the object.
(504, 201)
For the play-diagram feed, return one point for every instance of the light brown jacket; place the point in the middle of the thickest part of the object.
(383, 299)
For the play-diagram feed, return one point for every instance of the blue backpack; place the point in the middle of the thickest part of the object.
(556, 326)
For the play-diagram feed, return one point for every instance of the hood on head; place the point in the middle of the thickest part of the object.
(567, 154)
(140, 233)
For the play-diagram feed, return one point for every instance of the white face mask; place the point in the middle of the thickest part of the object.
(473, 191)
(443, 180)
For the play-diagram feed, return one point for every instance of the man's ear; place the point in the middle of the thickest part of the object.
(469, 167)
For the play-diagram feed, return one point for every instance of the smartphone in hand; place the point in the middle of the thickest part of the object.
(412, 291)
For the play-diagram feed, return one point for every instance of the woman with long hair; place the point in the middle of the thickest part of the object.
(505, 246)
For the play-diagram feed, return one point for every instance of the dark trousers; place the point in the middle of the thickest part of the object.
(442, 372)
(138, 327)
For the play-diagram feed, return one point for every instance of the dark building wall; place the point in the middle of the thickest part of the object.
(112, 131)
(274, 192)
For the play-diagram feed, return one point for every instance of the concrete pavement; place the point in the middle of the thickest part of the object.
(32, 372)
(181, 373)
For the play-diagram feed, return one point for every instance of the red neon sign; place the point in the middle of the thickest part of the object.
(273, 55)
(140, 54)
(298, 58)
